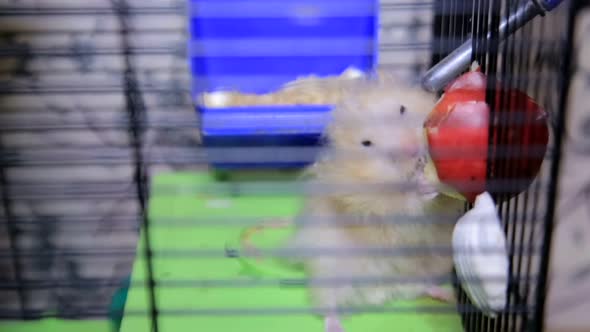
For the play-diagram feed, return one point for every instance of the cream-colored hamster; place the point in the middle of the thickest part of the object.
(375, 143)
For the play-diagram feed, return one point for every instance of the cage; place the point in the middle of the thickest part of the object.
(126, 191)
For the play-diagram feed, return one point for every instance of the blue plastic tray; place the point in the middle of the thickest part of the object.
(255, 46)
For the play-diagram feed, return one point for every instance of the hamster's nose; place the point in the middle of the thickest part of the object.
(411, 150)
(404, 153)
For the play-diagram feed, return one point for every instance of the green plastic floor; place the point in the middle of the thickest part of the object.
(56, 325)
(225, 207)
(180, 305)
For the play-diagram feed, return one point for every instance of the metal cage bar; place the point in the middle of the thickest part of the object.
(153, 104)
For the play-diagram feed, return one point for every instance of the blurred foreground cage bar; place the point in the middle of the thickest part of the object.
(94, 96)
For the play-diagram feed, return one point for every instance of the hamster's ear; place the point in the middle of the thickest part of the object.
(331, 126)
(331, 132)
(324, 139)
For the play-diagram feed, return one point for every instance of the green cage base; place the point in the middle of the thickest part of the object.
(177, 195)
(56, 325)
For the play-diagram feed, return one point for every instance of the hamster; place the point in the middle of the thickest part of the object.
(375, 137)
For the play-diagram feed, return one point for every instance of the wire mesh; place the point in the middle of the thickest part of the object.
(95, 99)
(522, 61)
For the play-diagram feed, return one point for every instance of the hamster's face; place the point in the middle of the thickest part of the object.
(383, 133)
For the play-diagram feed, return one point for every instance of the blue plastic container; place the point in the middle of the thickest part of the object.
(255, 46)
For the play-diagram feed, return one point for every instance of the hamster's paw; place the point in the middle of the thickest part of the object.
(426, 188)
(332, 324)
(441, 294)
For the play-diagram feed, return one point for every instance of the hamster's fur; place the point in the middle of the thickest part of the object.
(367, 132)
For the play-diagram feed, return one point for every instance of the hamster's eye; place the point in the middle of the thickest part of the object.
(402, 109)
(366, 143)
